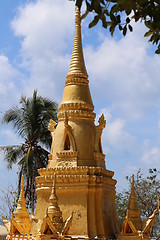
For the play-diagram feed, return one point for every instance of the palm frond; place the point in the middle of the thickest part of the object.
(12, 154)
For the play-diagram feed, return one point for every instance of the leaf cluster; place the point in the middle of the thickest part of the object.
(121, 13)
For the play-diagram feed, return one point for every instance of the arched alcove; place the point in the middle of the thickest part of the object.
(67, 144)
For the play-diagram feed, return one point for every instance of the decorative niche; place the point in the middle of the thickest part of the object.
(69, 155)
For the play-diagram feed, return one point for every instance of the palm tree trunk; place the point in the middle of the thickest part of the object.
(19, 182)
(32, 193)
(27, 188)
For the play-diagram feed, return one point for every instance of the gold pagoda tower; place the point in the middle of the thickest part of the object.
(83, 185)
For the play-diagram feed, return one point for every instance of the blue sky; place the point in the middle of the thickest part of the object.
(35, 49)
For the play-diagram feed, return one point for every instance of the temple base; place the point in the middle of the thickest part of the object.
(87, 191)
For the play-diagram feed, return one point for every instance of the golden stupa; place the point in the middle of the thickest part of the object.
(83, 185)
(76, 185)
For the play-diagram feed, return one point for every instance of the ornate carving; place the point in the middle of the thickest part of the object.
(79, 170)
(67, 224)
(51, 128)
(102, 122)
(98, 134)
(79, 114)
(149, 223)
(76, 106)
(81, 81)
(67, 154)
(100, 159)
(66, 164)
(128, 226)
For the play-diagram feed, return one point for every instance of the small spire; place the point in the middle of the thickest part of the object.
(133, 203)
(21, 210)
(133, 209)
(77, 65)
(53, 210)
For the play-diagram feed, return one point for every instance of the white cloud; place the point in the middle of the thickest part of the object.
(46, 29)
(10, 78)
(116, 135)
(152, 156)
(125, 75)
(45, 26)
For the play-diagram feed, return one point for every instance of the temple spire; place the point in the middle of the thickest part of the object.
(21, 210)
(54, 211)
(133, 203)
(77, 64)
(133, 209)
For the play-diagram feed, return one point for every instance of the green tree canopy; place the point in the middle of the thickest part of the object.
(121, 14)
(30, 120)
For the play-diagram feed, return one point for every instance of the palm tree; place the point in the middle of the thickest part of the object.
(30, 121)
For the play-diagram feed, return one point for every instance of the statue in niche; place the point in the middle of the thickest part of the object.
(51, 128)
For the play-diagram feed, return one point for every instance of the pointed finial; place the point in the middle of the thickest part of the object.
(132, 181)
(133, 204)
(54, 183)
(77, 16)
(77, 65)
(22, 182)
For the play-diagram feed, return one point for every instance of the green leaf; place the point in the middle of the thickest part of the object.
(120, 27)
(128, 11)
(158, 51)
(89, 7)
(147, 34)
(112, 29)
(96, 6)
(84, 15)
(125, 30)
(130, 28)
(94, 22)
(104, 23)
(113, 19)
(128, 20)
(148, 25)
(118, 18)
(114, 8)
